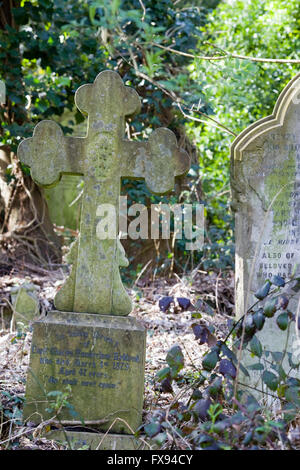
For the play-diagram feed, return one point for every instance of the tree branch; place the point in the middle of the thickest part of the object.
(177, 100)
(216, 124)
(144, 9)
(227, 55)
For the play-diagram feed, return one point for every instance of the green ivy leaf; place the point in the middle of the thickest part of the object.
(282, 321)
(215, 387)
(228, 353)
(175, 359)
(281, 372)
(166, 385)
(209, 362)
(249, 325)
(263, 291)
(163, 373)
(256, 347)
(153, 428)
(227, 368)
(276, 356)
(201, 407)
(270, 379)
(244, 370)
(259, 319)
(292, 395)
(278, 281)
(270, 308)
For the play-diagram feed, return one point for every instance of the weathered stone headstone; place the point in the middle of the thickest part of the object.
(64, 202)
(25, 303)
(101, 357)
(265, 180)
(21, 306)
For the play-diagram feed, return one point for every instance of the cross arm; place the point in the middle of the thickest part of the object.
(49, 153)
(158, 161)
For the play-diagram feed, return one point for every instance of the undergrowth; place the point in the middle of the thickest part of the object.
(221, 408)
(216, 405)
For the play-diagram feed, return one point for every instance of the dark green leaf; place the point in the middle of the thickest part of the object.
(256, 347)
(183, 302)
(292, 395)
(277, 356)
(259, 319)
(175, 359)
(227, 368)
(209, 362)
(278, 281)
(282, 301)
(281, 372)
(263, 291)
(228, 353)
(163, 373)
(244, 370)
(153, 428)
(201, 407)
(165, 302)
(270, 379)
(283, 320)
(270, 308)
(249, 324)
(216, 387)
(166, 386)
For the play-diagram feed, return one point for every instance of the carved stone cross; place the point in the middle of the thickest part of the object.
(102, 157)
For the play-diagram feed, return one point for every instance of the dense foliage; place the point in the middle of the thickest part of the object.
(239, 92)
(225, 410)
(50, 48)
(162, 49)
(54, 47)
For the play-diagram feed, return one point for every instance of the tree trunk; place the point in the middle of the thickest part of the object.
(26, 232)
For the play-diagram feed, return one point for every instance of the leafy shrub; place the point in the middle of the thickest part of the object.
(220, 414)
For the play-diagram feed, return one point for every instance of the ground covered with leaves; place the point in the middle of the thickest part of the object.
(187, 320)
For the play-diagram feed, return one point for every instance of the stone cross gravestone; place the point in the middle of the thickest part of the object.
(102, 157)
(101, 357)
(265, 181)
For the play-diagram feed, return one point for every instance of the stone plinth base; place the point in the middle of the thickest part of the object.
(97, 441)
(97, 361)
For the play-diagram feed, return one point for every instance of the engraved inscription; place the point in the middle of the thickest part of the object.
(88, 363)
(280, 252)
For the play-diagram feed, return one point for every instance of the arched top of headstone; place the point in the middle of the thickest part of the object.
(289, 96)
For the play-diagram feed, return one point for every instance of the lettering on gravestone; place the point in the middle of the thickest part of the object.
(100, 357)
